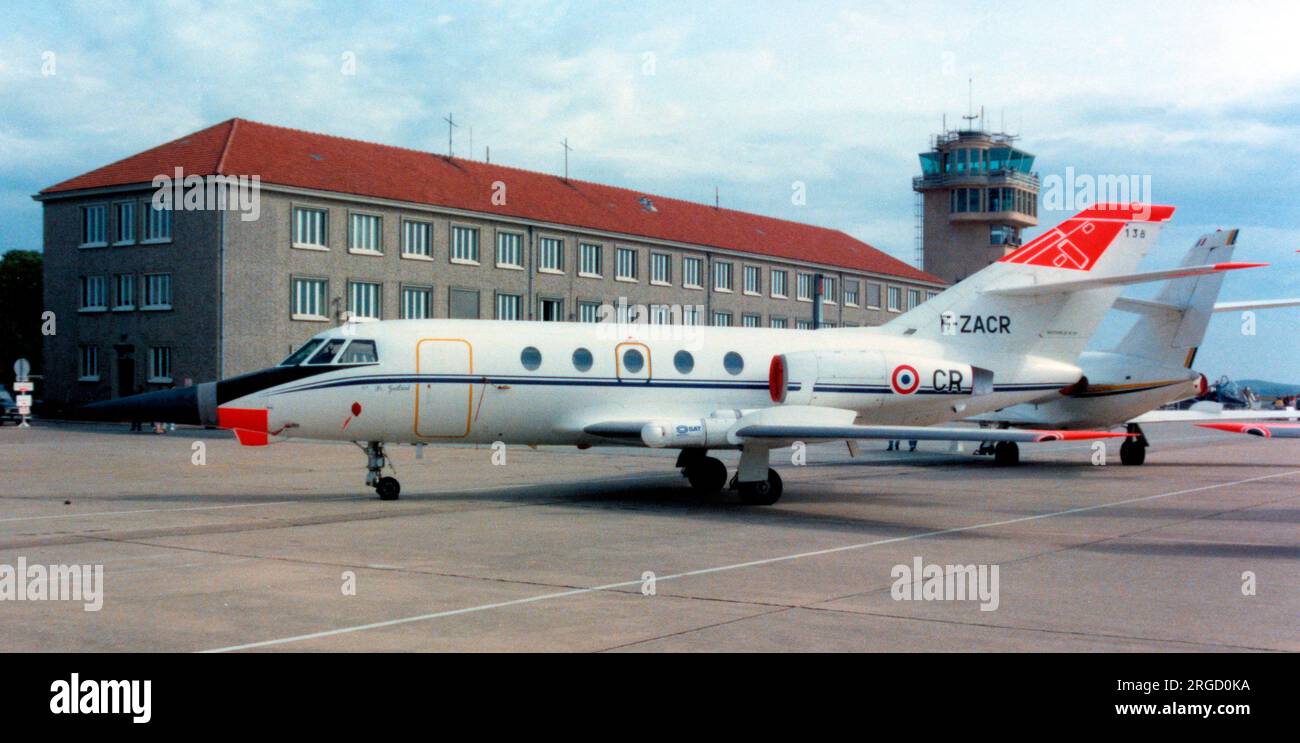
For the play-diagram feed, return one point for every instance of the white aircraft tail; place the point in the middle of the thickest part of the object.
(1015, 307)
(1172, 326)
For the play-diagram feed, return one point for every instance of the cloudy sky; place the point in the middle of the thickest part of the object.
(682, 98)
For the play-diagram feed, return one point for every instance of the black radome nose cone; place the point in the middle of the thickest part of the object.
(178, 405)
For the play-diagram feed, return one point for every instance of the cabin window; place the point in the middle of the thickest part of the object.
(733, 363)
(327, 352)
(582, 360)
(633, 361)
(360, 352)
(684, 362)
(531, 358)
(297, 357)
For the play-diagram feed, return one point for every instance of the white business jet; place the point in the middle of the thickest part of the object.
(1007, 335)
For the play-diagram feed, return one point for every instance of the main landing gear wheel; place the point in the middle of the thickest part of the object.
(1006, 454)
(1132, 453)
(707, 475)
(762, 493)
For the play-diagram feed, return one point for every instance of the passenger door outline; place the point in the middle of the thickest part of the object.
(440, 396)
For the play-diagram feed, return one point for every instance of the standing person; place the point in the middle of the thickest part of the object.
(136, 423)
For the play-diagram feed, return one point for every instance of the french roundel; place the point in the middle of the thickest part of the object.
(904, 380)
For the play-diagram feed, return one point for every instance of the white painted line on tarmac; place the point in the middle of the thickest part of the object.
(735, 566)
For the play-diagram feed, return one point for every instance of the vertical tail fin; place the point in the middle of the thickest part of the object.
(1172, 326)
(1099, 242)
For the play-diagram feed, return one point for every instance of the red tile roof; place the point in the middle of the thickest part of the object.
(291, 157)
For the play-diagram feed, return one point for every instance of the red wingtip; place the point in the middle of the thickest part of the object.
(1081, 435)
(1235, 266)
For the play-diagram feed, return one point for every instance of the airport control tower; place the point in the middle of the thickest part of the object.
(975, 195)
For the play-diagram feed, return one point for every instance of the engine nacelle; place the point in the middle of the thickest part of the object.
(872, 378)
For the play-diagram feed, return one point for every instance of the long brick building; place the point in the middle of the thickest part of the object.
(149, 293)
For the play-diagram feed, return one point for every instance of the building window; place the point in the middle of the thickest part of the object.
(417, 303)
(363, 299)
(805, 287)
(661, 269)
(753, 280)
(722, 279)
(464, 244)
(508, 307)
(589, 259)
(722, 319)
(157, 225)
(92, 226)
(778, 322)
(803, 325)
(365, 234)
(625, 264)
(93, 294)
(88, 371)
(828, 290)
(462, 304)
(510, 250)
(690, 314)
(751, 321)
(309, 227)
(124, 229)
(780, 284)
(160, 364)
(157, 291)
(693, 273)
(895, 299)
(124, 291)
(661, 314)
(930, 295)
(550, 254)
(913, 298)
(589, 312)
(851, 292)
(309, 299)
(873, 296)
(417, 239)
(550, 310)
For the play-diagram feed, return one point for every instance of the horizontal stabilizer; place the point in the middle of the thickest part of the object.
(1263, 304)
(1069, 287)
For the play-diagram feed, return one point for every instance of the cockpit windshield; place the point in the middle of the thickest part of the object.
(360, 352)
(327, 352)
(321, 351)
(302, 353)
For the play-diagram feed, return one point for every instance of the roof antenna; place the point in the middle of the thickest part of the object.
(567, 149)
(716, 202)
(451, 124)
(487, 153)
(970, 103)
(471, 143)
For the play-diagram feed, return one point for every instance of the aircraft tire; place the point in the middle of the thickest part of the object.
(1006, 454)
(762, 493)
(1132, 453)
(707, 475)
(388, 488)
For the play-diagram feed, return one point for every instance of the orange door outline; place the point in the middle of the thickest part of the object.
(469, 386)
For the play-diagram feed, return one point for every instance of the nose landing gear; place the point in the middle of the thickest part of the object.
(388, 488)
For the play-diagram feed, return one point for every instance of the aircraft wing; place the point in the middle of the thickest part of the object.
(791, 433)
(1197, 416)
(1057, 287)
(1266, 430)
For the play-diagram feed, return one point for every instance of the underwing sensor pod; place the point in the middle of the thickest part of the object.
(872, 379)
